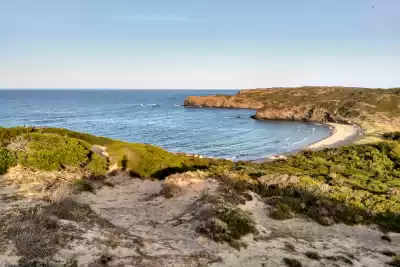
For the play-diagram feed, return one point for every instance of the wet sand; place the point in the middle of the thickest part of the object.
(342, 134)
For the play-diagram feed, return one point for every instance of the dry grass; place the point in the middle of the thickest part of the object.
(170, 190)
(67, 209)
(33, 232)
(52, 186)
(18, 144)
(37, 232)
(373, 131)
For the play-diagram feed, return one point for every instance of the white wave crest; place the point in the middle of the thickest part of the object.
(301, 141)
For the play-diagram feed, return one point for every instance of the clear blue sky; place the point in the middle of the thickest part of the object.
(198, 43)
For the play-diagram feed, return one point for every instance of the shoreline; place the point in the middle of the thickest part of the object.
(341, 135)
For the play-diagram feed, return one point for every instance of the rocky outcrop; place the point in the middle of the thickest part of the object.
(222, 102)
(246, 99)
(298, 114)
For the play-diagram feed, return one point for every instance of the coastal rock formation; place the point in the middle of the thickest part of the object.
(298, 114)
(347, 105)
(221, 101)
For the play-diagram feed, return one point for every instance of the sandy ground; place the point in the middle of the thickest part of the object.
(342, 134)
(154, 228)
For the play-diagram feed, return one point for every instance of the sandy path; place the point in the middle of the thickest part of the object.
(342, 134)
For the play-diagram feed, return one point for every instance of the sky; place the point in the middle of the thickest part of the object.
(209, 44)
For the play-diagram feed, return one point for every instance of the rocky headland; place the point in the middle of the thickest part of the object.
(374, 110)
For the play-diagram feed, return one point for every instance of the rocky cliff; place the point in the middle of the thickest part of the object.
(299, 114)
(319, 104)
(220, 101)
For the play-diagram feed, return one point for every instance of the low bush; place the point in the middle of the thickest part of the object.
(223, 221)
(281, 211)
(392, 136)
(83, 185)
(239, 222)
(53, 152)
(98, 165)
(292, 262)
(91, 139)
(7, 134)
(7, 160)
(395, 261)
(144, 160)
(313, 255)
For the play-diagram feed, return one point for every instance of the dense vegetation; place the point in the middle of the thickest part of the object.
(56, 149)
(49, 149)
(346, 101)
(351, 184)
(52, 152)
(7, 159)
(7, 134)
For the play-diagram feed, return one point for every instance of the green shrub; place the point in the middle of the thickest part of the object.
(239, 222)
(7, 160)
(392, 136)
(292, 262)
(91, 139)
(395, 261)
(7, 134)
(226, 222)
(313, 255)
(83, 185)
(53, 152)
(281, 211)
(97, 165)
(144, 160)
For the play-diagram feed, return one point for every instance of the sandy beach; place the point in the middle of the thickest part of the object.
(342, 134)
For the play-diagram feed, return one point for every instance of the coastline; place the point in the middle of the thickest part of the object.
(341, 135)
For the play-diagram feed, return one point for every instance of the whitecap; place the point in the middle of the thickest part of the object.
(288, 138)
(295, 143)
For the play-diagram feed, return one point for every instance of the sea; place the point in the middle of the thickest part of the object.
(158, 117)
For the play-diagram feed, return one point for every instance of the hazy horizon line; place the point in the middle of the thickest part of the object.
(266, 87)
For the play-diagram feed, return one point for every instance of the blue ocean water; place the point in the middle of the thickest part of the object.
(158, 117)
